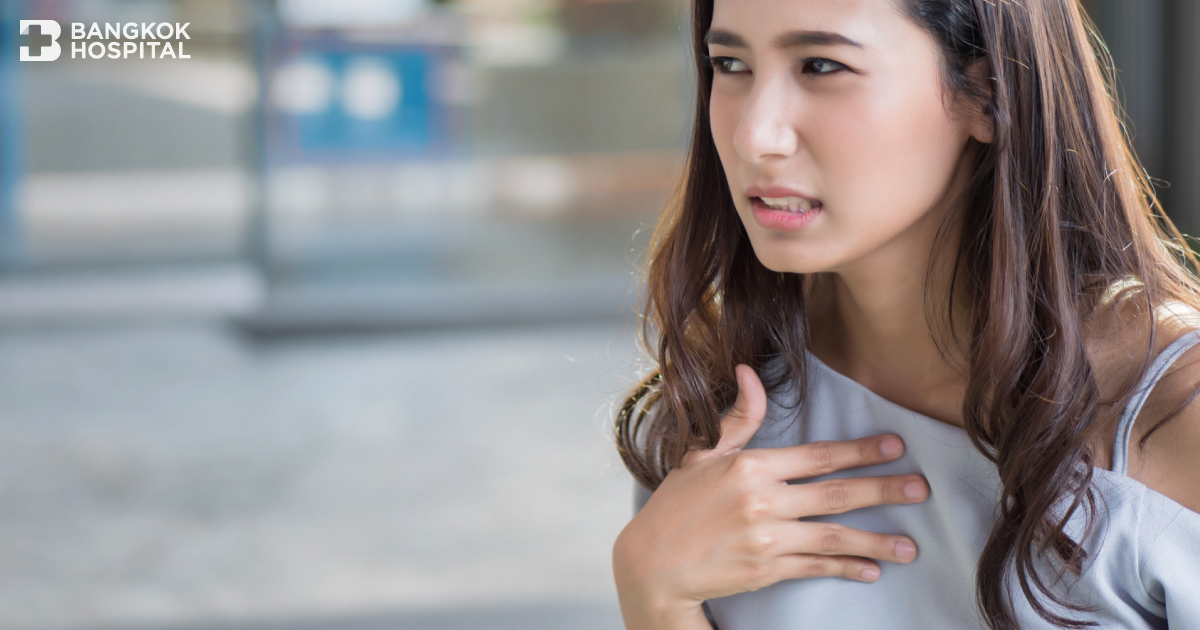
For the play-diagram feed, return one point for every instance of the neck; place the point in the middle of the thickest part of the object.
(869, 321)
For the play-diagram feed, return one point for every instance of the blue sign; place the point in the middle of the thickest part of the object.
(347, 101)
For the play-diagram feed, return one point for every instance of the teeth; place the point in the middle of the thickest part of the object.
(791, 204)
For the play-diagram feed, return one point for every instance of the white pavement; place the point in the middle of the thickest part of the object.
(179, 475)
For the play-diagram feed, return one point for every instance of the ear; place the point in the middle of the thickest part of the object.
(980, 124)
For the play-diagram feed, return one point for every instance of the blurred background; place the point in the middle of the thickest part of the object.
(321, 327)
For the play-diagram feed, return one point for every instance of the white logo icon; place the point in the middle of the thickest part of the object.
(42, 40)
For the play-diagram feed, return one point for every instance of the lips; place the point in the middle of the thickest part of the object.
(782, 198)
(783, 209)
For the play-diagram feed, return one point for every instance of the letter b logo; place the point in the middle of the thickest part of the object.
(41, 41)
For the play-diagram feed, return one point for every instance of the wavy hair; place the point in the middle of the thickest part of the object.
(1058, 219)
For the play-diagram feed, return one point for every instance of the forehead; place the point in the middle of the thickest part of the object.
(865, 21)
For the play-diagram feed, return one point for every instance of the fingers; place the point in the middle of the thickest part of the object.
(833, 539)
(743, 419)
(798, 566)
(747, 413)
(836, 496)
(822, 458)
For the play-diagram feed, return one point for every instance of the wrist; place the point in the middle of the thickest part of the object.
(645, 603)
(660, 613)
(645, 607)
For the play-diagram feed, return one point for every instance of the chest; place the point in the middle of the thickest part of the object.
(938, 590)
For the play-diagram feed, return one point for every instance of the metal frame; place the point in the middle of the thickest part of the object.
(1182, 116)
(258, 237)
(12, 145)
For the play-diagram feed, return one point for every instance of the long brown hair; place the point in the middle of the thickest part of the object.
(1058, 213)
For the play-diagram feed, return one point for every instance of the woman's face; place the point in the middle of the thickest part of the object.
(837, 104)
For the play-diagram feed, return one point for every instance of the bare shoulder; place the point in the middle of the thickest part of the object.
(1170, 461)
(1169, 421)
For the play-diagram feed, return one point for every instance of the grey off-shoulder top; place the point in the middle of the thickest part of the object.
(1144, 562)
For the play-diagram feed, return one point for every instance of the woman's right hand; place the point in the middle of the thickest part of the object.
(725, 521)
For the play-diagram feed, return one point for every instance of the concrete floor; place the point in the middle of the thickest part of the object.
(178, 475)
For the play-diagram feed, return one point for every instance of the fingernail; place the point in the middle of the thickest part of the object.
(914, 489)
(891, 447)
(905, 550)
(870, 574)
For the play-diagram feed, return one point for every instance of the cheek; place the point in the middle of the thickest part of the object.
(889, 158)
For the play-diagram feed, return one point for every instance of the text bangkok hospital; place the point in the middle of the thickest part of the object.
(145, 40)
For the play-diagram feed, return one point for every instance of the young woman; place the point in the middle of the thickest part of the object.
(916, 294)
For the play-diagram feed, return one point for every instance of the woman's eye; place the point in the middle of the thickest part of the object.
(728, 65)
(818, 65)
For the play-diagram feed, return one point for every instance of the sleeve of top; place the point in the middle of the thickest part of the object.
(641, 494)
(1171, 561)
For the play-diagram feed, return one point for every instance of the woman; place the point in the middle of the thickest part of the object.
(920, 224)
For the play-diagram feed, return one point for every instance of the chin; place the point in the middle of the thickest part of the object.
(773, 258)
(787, 253)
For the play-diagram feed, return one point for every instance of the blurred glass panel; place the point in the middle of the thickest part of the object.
(373, 143)
(469, 144)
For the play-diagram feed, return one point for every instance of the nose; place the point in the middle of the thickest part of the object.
(764, 131)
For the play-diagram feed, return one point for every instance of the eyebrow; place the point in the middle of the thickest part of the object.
(791, 39)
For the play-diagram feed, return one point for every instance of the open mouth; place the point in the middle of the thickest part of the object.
(798, 205)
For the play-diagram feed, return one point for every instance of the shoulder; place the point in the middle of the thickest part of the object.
(1168, 424)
